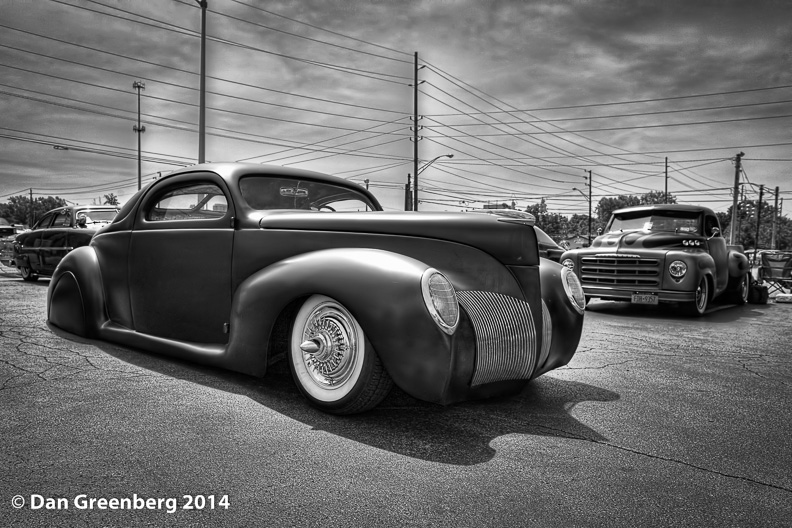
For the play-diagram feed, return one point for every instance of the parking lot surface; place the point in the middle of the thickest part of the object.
(659, 420)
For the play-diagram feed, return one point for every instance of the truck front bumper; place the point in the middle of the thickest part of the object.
(626, 295)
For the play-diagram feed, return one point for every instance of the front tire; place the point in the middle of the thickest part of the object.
(699, 306)
(332, 362)
(27, 274)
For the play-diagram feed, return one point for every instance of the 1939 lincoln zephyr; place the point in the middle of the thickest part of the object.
(236, 265)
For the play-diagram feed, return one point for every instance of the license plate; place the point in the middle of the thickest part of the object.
(642, 298)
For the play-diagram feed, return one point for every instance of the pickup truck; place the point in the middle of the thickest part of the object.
(661, 253)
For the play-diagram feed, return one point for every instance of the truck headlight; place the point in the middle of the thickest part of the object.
(568, 264)
(573, 289)
(440, 299)
(677, 269)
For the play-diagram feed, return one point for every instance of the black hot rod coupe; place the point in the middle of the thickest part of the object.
(233, 265)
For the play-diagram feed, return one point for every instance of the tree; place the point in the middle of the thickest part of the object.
(18, 209)
(657, 197)
(746, 226)
(110, 199)
(606, 206)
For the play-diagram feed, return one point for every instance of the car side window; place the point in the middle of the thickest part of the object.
(45, 221)
(196, 201)
(62, 220)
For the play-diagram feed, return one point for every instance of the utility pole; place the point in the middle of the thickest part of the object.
(138, 85)
(30, 220)
(415, 137)
(202, 103)
(589, 215)
(775, 219)
(758, 216)
(736, 192)
(407, 194)
(665, 196)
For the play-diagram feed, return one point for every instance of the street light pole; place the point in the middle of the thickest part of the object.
(415, 179)
(139, 85)
(589, 202)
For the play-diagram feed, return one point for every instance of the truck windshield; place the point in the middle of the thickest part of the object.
(674, 221)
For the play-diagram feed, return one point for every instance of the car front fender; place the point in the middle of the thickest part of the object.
(566, 323)
(75, 298)
(381, 289)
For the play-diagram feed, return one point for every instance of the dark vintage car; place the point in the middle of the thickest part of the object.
(8, 233)
(548, 248)
(236, 265)
(38, 251)
(662, 253)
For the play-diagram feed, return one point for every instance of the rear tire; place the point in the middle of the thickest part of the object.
(332, 362)
(27, 274)
(739, 295)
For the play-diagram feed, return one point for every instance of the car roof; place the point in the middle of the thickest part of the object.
(237, 170)
(665, 207)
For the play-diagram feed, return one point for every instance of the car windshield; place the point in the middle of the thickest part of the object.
(674, 221)
(98, 216)
(267, 192)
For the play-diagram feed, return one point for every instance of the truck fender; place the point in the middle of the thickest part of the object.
(412, 348)
(75, 298)
(738, 264)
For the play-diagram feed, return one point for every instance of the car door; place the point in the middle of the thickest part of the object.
(29, 244)
(718, 251)
(180, 260)
(54, 242)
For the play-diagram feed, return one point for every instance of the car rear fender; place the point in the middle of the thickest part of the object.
(75, 298)
(381, 289)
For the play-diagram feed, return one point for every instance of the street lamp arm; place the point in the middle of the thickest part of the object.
(432, 161)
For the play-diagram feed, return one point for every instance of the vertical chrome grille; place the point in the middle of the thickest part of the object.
(547, 335)
(505, 336)
(620, 270)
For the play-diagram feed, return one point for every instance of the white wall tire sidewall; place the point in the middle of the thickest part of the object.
(303, 377)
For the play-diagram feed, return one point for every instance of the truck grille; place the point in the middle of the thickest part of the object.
(602, 270)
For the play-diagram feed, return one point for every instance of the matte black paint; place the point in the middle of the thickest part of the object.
(171, 287)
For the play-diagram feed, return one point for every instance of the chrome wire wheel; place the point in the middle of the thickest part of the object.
(327, 349)
(331, 360)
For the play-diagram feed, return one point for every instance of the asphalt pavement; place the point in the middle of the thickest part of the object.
(659, 420)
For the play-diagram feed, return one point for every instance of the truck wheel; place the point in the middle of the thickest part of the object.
(27, 274)
(739, 295)
(332, 362)
(699, 306)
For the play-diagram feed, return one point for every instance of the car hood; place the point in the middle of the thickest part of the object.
(510, 241)
(632, 241)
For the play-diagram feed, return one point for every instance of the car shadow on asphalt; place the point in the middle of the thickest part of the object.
(716, 313)
(458, 434)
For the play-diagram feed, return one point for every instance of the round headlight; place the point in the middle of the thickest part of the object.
(677, 269)
(569, 264)
(440, 299)
(573, 289)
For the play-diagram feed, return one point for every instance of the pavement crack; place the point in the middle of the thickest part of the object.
(688, 464)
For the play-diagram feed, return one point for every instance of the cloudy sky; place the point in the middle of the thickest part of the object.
(528, 96)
